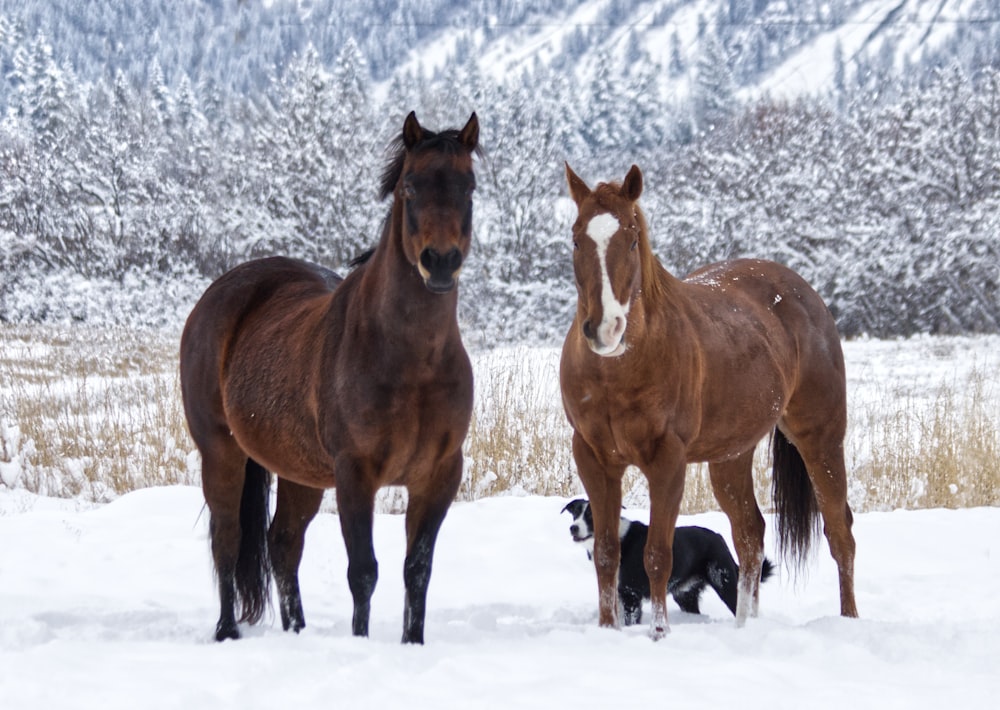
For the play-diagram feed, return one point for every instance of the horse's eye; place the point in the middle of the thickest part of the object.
(634, 245)
(576, 244)
(409, 192)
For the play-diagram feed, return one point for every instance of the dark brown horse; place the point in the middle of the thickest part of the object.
(658, 372)
(357, 384)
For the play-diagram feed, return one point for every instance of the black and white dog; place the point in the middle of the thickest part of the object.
(701, 558)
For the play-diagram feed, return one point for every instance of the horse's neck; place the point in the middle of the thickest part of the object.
(658, 303)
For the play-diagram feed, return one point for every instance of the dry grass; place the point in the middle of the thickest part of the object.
(90, 413)
(96, 413)
(519, 438)
(939, 449)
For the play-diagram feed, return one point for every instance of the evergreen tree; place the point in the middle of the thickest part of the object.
(43, 93)
(676, 65)
(605, 121)
(714, 91)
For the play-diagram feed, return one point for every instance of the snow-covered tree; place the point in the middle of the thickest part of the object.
(713, 93)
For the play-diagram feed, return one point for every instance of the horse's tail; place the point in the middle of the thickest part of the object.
(253, 565)
(796, 509)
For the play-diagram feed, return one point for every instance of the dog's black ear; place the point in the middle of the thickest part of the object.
(574, 506)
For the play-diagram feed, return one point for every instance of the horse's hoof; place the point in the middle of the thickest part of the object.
(658, 632)
(226, 631)
(295, 624)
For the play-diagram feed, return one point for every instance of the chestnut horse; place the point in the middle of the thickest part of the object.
(354, 384)
(658, 372)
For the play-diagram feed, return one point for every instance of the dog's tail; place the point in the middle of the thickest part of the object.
(766, 570)
(796, 509)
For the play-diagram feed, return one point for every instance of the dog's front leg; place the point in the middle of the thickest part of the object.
(631, 607)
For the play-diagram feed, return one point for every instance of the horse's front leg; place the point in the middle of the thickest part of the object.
(428, 504)
(666, 488)
(356, 504)
(604, 489)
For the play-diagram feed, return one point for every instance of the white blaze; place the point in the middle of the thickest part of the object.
(612, 327)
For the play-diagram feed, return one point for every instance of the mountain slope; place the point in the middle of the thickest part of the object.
(777, 48)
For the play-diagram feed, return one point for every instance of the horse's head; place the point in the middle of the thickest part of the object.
(432, 182)
(607, 258)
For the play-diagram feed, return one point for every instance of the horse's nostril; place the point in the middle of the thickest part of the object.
(433, 260)
(588, 330)
(453, 259)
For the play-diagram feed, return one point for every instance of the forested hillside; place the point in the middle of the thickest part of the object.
(147, 146)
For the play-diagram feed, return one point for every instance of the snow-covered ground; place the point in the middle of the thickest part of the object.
(114, 606)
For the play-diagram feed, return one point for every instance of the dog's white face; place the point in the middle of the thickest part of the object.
(582, 527)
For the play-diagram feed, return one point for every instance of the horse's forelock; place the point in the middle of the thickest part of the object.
(608, 194)
(448, 142)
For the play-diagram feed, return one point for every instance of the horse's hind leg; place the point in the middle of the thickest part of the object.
(425, 512)
(223, 472)
(828, 474)
(297, 506)
(732, 483)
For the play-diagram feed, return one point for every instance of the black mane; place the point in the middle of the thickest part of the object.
(361, 258)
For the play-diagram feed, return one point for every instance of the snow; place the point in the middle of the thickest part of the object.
(114, 607)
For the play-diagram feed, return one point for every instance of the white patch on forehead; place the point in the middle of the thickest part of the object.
(601, 229)
(612, 327)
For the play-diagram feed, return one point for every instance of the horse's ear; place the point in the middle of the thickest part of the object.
(632, 187)
(578, 189)
(413, 133)
(470, 134)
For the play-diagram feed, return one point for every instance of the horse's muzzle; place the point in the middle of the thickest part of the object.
(440, 271)
(608, 339)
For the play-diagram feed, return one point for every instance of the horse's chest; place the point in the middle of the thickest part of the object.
(406, 427)
(621, 425)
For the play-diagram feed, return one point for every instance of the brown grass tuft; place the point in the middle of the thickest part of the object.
(96, 413)
(91, 413)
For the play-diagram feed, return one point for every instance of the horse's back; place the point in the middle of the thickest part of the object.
(762, 322)
(253, 292)
(773, 296)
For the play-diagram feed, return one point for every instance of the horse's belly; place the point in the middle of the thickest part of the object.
(286, 449)
(724, 448)
(731, 429)
(633, 435)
